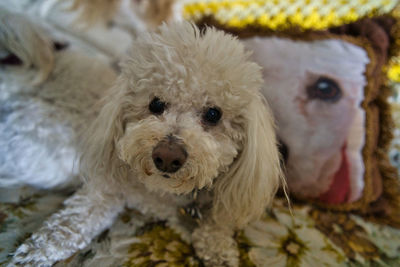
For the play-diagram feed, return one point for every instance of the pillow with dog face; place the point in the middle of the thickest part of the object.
(315, 89)
(328, 100)
(327, 88)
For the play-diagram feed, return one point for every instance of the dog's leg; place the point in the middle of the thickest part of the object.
(69, 230)
(215, 245)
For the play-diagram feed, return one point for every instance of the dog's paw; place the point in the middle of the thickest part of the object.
(28, 255)
(215, 246)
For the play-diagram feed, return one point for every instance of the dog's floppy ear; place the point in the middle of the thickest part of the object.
(22, 42)
(244, 192)
(99, 159)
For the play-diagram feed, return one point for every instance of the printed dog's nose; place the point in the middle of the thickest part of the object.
(169, 156)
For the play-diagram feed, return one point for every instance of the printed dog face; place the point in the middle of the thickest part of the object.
(315, 90)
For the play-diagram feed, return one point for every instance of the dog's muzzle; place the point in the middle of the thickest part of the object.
(169, 156)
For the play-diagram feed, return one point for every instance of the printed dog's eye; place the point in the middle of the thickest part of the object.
(212, 115)
(325, 89)
(157, 106)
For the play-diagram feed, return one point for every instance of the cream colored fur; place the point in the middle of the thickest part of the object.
(136, 15)
(235, 161)
(45, 102)
(20, 37)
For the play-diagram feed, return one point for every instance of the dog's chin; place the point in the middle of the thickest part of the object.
(167, 183)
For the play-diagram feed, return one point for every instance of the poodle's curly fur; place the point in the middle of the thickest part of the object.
(235, 160)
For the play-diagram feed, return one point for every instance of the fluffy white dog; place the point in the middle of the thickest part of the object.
(184, 122)
(46, 94)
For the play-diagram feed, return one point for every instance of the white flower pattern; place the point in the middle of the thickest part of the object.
(283, 240)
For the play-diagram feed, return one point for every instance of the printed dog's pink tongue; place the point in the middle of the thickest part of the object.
(340, 187)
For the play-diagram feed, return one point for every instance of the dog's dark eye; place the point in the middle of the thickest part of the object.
(212, 115)
(325, 89)
(157, 106)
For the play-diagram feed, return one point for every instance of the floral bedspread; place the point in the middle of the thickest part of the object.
(304, 236)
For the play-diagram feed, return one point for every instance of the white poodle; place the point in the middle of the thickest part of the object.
(184, 123)
(47, 91)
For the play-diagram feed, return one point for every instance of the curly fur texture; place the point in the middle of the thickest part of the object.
(235, 160)
(45, 102)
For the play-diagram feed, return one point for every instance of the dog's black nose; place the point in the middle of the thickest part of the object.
(169, 156)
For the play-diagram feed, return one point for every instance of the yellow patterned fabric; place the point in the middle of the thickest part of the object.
(281, 15)
(394, 71)
(394, 66)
